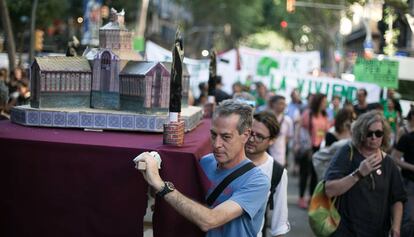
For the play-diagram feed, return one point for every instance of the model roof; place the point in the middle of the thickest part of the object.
(137, 67)
(113, 26)
(63, 63)
(90, 53)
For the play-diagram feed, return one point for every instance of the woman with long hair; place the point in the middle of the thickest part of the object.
(315, 121)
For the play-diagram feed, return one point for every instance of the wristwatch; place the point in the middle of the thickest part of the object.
(357, 174)
(168, 187)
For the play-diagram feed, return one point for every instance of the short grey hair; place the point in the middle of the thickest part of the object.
(361, 125)
(229, 107)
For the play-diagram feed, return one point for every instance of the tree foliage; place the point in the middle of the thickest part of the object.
(249, 17)
(47, 12)
(242, 15)
(267, 39)
(246, 17)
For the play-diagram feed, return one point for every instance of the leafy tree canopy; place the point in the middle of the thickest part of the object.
(47, 12)
(267, 39)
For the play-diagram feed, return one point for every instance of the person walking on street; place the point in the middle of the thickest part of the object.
(342, 127)
(362, 105)
(239, 209)
(393, 118)
(405, 147)
(265, 130)
(277, 150)
(368, 183)
(315, 122)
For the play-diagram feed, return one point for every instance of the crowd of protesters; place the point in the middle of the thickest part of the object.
(383, 140)
(14, 90)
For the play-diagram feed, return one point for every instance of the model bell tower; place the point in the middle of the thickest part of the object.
(174, 128)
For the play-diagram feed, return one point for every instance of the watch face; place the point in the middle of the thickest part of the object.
(170, 186)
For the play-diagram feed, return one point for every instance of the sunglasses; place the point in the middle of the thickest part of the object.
(377, 133)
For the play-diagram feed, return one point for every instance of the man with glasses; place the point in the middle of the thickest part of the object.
(239, 209)
(367, 181)
(265, 129)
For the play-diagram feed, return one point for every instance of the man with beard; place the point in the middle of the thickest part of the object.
(265, 129)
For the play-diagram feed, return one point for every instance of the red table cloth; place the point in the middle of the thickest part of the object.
(69, 182)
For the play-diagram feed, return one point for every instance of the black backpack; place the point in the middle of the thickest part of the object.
(277, 172)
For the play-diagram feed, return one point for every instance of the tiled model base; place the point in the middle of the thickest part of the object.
(174, 133)
(101, 119)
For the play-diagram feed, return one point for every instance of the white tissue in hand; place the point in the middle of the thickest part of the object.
(154, 154)
(157, 158)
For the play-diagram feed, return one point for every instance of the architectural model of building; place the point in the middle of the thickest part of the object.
(109, 87)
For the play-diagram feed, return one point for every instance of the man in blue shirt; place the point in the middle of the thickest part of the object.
(239, 209)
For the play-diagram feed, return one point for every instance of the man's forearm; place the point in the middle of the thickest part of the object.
(197, 213)
(202, 216)
(193, 211)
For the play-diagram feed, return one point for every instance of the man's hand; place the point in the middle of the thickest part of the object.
(151, 174)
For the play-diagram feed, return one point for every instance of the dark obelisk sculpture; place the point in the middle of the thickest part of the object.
(211, 99)
(174, 128)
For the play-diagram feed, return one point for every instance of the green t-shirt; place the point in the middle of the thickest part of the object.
(392, 118)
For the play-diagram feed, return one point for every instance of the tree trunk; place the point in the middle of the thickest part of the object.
(11, 48)
(142, 20)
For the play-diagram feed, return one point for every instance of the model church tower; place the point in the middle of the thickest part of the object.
(116, 37)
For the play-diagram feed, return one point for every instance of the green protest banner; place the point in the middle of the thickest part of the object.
(384, 73)
(307, 84)
(265, 65)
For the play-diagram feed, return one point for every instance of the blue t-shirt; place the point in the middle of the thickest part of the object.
(249, 191)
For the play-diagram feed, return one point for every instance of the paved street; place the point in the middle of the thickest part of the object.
(298, 217)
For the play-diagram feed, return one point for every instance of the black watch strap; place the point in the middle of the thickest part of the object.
(168, 187)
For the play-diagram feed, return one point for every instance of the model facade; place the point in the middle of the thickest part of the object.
(111, 79)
